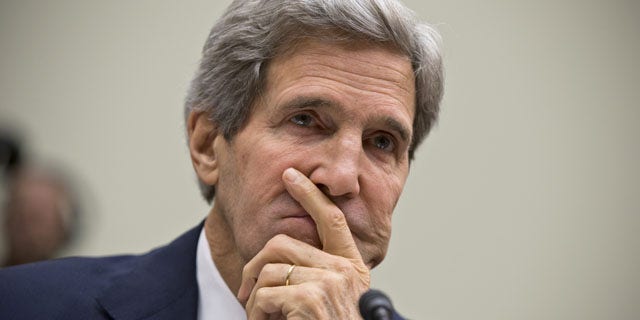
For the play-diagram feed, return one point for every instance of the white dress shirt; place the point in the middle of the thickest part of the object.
(215, 299)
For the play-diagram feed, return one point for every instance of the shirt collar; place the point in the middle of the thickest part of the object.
(215, 299)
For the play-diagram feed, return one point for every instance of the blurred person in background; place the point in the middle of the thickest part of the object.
(10, 152)
(39, 215)
(39, 210)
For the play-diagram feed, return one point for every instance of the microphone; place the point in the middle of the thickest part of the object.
(375, 305)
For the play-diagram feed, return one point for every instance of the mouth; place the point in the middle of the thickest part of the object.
(301, 218)
(301, 227)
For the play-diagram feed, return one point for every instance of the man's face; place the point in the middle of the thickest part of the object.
(342, 115)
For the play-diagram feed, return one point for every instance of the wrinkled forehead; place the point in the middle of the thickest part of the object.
(378, 67)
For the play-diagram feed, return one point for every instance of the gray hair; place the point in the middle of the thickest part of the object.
(251, 32)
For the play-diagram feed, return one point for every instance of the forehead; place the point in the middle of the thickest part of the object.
(357, 67)
(377, 60)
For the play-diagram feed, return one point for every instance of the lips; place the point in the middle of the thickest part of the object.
(301, 217)
(298, 215)
(300, 226)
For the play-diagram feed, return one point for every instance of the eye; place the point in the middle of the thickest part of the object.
(302, 119)
(384, 142)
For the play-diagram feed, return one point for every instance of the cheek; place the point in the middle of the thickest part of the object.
(386, 186)
(382, 195)
(280, 155)
(260, 171)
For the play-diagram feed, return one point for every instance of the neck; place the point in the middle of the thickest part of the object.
(223, 249)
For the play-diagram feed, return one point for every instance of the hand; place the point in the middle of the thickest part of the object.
(325, 284)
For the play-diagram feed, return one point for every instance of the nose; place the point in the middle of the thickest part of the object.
(338, 171)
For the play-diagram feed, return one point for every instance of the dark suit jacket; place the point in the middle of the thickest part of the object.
(158, 285)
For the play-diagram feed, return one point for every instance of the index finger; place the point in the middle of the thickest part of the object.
(332, 226)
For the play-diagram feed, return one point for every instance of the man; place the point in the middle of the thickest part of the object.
(302, 120)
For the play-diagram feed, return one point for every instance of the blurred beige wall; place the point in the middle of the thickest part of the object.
(522, 204)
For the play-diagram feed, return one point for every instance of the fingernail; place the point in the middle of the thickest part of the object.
(291, 175)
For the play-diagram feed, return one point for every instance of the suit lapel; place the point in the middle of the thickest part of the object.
(161, 284)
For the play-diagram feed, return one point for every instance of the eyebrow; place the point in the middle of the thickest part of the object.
(398, 127)
(316, 102)
(307, 102)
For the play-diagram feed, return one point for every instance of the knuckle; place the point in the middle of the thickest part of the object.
(267, 270)
(246, 270)
(333, 281)
(309, 293)
(261, 298)
(281, 238)
(336, 219)
(276, 243)
(342, 267)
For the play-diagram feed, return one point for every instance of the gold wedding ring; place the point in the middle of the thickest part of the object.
(286, 278)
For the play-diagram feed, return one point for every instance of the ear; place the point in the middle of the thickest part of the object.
(202, 133)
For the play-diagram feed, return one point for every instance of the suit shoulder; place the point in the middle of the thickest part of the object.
(28, 291)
